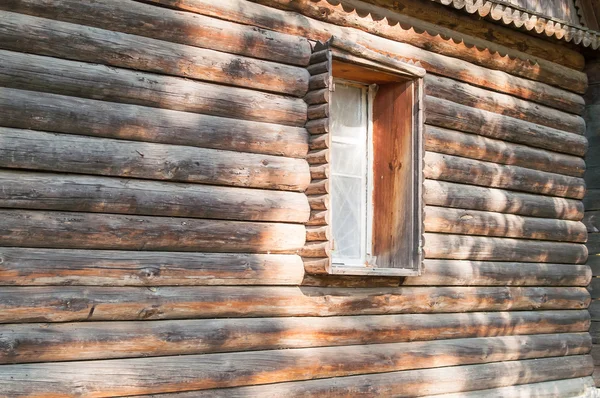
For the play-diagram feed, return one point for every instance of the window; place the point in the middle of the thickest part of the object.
(365, 121)
(375, 171)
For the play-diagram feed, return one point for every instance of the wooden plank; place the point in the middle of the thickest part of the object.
(89, 303)
(595, 332)
(582, 387)
(192, 372)
(594, 288)
(34, 150)
(464, 247)
(475, 172)
(594, 310)
(68, 192)
(46, 229)
(474, 222)
(178, 27)
(592, 221)
(41, 36)
(591, 200)
(480, 273)
(473, 146)
(72, 115)
(29, 267)
(594, 263)
(593, 243)
(79, 79)
(297, 24)
(105, 340)
(431, 37)
(451, 115)
(448, 194)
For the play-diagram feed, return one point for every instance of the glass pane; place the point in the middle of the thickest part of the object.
(348, 159)
(347, 205)
(348, 113)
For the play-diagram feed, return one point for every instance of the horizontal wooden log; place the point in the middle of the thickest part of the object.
(452, 142)
(318, 157)
(104, 340)
(318, 126)
(52, 38)
(35, 150)
(318, 217)
(319, 172)
(172, 26)
(481, 98)
(318, 202)
(89, 303)
(72, 115)
(59, 76)
(593, 243)
(317, 233)
(582, 387)
(194, 372)
(317, 97)
(474, 222)
(315, 250)
(464, 247)
(481, 273)
(296, 24)
(318, 111)
(317, 142)
(44, 191)
(314, 265)
(318, 187)
(468, 171)
(451, 115)
(317, 82)
(45, 229)
(25, 266)
(448, 194)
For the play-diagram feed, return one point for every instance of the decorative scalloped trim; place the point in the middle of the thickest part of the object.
(519, 18)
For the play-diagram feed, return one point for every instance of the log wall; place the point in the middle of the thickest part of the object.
(160, 164)
(592, 205)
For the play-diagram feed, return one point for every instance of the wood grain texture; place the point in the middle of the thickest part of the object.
(35, 150)
(52, 38)
(475, 172)
(449, 194)
(474, 222)
(104, 340)
(473, 146)
(451, 115)
(70, 192)
(464, 247)
(82, 116)
(58, 76)
(172, 374)
(66, 267)
(78, 303)
(507, 105)
(313, 29)
(177, 27)
(25, 228)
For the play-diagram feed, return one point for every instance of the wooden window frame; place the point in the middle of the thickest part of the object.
(338, 58)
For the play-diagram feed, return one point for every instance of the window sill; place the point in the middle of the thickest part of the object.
(368, 271)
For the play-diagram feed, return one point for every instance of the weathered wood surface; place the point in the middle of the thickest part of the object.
(591, 200)
(297, 24)
(464, 247)
(474, 222)
(593, 243)
(104, 340)
(594, 309)
(79, 79)
(507, 105)
(475, 172)
(69, 192)
(75, 303)
(42, 36)
(475, 146)
(448, 194)
(48, 229)
(177, 27)
(480, 273)
(594, 288)
(28, 267)
(186, 373)
(72, 115)
(582, 387)
(27, 149)
(592, 220)
(451, 115)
